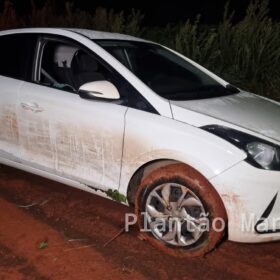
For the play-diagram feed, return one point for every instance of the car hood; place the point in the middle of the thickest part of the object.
(245, 110)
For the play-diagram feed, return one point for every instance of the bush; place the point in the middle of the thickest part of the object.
(246, 54)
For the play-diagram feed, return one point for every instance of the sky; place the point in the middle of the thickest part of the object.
(164, 12)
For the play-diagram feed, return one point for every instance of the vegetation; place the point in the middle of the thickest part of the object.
(115, 195)
(43, 245)
(246, 54)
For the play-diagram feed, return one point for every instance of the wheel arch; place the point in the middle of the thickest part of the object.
(142, 172)
(145, 169)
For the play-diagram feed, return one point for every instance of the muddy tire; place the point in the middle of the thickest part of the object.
(179, 191)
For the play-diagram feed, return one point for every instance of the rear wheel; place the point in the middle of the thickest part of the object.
(180, 211)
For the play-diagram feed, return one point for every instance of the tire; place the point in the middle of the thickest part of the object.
(180, 193)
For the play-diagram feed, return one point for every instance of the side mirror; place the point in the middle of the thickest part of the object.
(99, 90)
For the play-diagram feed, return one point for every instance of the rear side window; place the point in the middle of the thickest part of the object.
(16, 55)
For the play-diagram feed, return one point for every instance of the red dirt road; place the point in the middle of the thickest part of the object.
(76, 225)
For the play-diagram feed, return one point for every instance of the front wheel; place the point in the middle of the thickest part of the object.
(179, 211)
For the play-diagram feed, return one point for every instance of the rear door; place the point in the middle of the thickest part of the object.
(16, 56)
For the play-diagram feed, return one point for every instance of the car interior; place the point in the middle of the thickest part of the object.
(67, 67)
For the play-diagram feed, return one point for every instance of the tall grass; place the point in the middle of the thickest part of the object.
(246, 54)
(50, 16)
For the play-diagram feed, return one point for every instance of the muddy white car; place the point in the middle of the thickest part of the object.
(135, 121)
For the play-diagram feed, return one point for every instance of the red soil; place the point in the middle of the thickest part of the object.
(76, 225)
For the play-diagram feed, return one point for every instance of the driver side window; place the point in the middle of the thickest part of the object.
(68, 67)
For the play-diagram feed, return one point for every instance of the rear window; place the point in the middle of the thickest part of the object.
(16, 55)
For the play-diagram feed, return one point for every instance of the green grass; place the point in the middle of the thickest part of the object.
(246, 54)
(115, 195)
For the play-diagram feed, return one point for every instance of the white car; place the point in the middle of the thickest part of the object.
(137, 122)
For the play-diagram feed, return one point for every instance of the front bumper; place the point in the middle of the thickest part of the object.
(252, 202)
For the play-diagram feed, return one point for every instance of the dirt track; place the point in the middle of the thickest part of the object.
(76, 225)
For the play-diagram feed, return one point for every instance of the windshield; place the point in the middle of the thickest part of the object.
(166, 73)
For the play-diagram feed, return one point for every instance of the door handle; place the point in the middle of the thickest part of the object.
(32, 106)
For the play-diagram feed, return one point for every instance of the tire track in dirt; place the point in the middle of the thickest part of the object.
(72, 213)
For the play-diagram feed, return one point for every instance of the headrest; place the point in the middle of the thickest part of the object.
(63, 55)
(83, 62)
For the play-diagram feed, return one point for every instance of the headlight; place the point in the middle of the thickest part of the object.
(260, 153)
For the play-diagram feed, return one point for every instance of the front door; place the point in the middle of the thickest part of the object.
(62, 133)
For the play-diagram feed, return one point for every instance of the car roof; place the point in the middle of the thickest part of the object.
(91, 34)
(98, 35)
